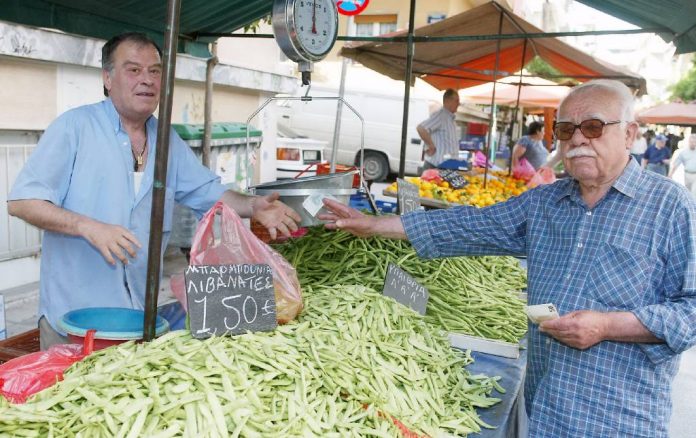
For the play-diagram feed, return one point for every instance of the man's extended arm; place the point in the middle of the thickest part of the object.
(110, 240)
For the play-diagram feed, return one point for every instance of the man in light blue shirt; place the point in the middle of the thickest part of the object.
(89, 184)
(613, 247)
(439, 132)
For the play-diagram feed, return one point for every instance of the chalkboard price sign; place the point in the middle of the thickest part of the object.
(404, 289)
(454, 178)
(230, 299)
(407, 196)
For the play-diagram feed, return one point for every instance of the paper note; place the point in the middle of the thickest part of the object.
(541, 312)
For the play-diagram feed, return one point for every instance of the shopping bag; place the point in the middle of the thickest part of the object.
(480, 160)
(523, 170)
(26, 375)
(238, 245)
(544, 175)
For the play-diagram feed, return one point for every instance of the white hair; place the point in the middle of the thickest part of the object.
(618, 89)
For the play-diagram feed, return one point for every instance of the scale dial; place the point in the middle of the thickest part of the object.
(305, 30)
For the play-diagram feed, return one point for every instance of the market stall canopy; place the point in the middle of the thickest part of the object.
(533, 92)
(104, 19)
(673, 113)
(463, 64)
(676, 16)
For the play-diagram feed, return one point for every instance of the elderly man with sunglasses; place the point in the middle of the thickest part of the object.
(613, 247)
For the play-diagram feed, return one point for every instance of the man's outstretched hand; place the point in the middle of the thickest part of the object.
(274, 215)
(351, 220)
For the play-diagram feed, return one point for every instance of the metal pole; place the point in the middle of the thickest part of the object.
(208, 109)
(159, 185)
(407, 88)
(493, 111)
(339, 115)
(517, 105)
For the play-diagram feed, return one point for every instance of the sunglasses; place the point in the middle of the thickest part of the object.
(591, 128)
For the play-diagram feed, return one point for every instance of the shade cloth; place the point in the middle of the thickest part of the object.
(670, 114)
(463, 64)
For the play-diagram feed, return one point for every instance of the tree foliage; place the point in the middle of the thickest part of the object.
(539, 67)
(685, 89)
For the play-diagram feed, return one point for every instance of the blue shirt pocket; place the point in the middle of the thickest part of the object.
(621, 278)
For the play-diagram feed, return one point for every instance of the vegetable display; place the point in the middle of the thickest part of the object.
(473, 295)
(354, 364)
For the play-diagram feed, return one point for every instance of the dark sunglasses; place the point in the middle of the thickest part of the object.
(591, 128)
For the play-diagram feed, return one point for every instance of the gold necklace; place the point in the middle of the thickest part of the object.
(139, 156)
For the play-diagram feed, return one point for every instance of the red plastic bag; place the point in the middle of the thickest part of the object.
(544, 175)
(431, 175)
(238, 245)
(26, 375)
(523, 170)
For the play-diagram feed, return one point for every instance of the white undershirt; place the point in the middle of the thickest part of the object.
(137, 181)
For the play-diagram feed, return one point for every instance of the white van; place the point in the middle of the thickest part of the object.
(382, 114)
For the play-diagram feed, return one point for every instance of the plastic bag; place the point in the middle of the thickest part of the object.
(26, 375)
(544, 175)
(431, 175)
(238, 245)
(480, 160)
(523, 170)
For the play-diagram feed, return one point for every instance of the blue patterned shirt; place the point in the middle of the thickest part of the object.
(633, 251)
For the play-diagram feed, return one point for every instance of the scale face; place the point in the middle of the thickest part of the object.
(305, 30)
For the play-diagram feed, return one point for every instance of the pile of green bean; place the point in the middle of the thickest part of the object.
(473, 295)
(353, 364)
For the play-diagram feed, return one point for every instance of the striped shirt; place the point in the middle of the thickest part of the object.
(635, 250)
(443, 131)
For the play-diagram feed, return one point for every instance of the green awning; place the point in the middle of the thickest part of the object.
(677, 16)
(104, 19)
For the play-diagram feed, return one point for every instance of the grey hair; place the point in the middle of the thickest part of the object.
(618, 89)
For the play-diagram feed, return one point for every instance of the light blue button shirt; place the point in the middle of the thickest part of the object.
(634, 251)
(83, 163)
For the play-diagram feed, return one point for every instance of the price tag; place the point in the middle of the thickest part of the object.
(406, 196)
(404, 289)
(454, 178)
(541, 312)
(230, 299)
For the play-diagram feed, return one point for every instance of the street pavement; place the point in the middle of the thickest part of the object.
(21, 305)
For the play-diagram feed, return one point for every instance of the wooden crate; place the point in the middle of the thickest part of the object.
(19, 345)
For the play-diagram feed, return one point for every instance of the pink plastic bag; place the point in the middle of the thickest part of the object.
(239, 245)
(26, 375)
(523, 170)
(544, 175)
(480, 160)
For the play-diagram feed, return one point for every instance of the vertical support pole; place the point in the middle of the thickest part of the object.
(161, 159)
(517, 105)
(339, 117)
(208, 108)
(407, 88)
(493, 109)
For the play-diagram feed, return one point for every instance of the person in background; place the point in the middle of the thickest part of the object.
(639, 146)
(531, 147)
(687, 157)
(88, 185)
(626, 284)
(649, 137)
(439, 132)
(656, 158)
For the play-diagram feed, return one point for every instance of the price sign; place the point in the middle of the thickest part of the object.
(230, 299)
(406, 196)
(405, 289)
(454, 178)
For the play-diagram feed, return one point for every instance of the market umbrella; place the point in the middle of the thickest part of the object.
(466, 63)
(533, 92)
(673, 113)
